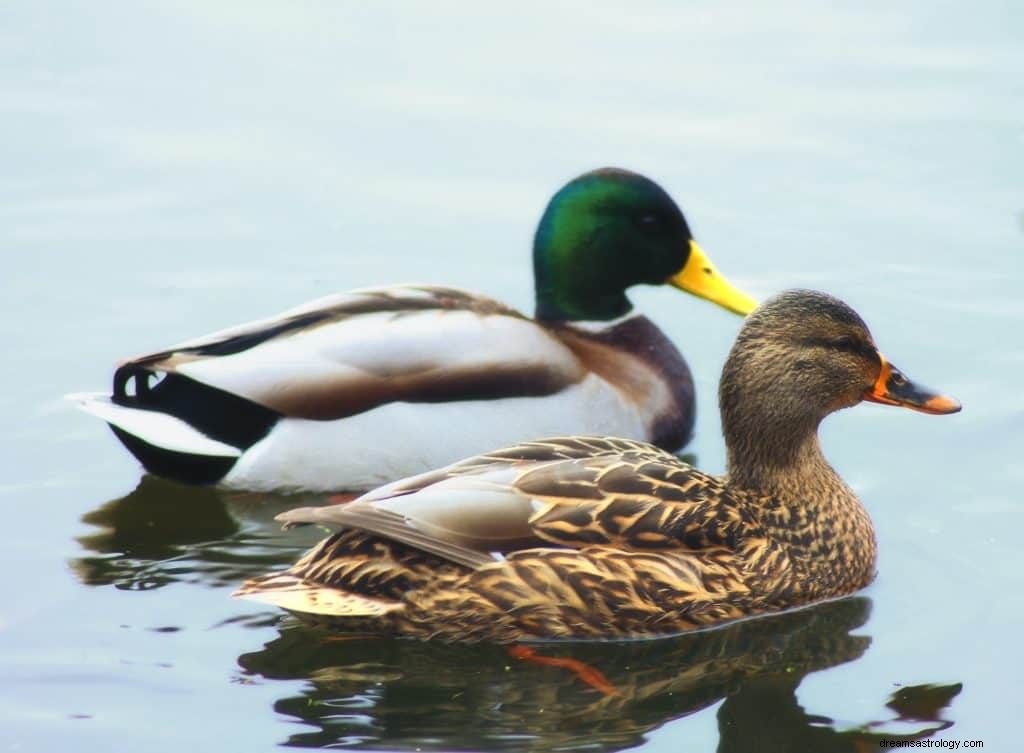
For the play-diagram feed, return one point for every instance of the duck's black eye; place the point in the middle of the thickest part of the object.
(845, 343)
(649, 222)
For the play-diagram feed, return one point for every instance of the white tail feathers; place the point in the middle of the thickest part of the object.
(157, 429)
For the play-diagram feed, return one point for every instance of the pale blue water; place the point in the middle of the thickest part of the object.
(172, 168)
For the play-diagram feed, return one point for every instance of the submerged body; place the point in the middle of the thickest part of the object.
(599, 537)
(337, 395)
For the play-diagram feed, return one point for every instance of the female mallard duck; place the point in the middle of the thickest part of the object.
(365, 376)
(598, 537)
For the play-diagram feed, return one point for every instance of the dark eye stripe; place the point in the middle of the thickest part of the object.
(841, 343)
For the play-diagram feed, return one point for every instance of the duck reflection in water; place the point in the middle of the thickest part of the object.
(385, 693)
(164, 532)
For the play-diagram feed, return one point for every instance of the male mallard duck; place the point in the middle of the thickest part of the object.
(343, 393)
(598, 537)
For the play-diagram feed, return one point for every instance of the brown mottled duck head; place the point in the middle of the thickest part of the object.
(802, 355)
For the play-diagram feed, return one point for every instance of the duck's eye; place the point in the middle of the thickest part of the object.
(649, 221)
(845, 343)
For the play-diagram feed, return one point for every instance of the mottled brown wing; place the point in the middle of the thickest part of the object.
(454, 544)
(634, 501)
(523, 456)
(632, 496)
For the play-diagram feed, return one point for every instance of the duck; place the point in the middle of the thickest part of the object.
(608, 538)
(373, 376)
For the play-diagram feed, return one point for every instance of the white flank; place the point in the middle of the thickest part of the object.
(158, 429)
(402, 439)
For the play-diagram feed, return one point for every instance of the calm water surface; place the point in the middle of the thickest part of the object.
(173, 168)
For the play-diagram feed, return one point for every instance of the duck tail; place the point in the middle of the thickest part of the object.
(352, 580)
(163, 443)
(316, 600)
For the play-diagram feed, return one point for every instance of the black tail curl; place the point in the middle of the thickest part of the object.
(215, 413)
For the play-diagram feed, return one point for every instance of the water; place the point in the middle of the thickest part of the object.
(173, 168)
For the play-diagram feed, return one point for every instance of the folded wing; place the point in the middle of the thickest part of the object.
(349, 353)
(570, 493)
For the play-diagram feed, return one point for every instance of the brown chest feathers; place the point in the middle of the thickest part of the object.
(638, 360)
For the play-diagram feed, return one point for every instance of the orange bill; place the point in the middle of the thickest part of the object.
(893, 388)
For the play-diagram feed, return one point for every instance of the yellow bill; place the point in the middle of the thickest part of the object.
(700, 277)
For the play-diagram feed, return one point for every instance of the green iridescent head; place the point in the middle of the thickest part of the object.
(608, 230)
